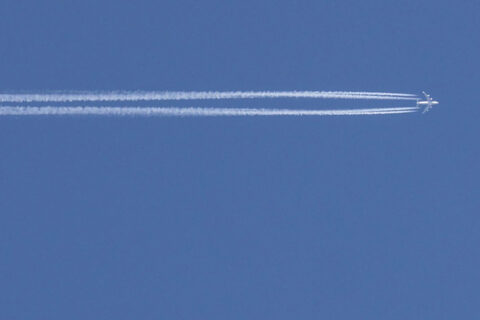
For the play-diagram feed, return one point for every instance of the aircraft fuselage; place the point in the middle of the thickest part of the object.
(427, 102)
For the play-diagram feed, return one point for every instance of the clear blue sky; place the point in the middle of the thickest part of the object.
(241, 218)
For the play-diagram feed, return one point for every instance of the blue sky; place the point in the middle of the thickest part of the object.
(241, 218)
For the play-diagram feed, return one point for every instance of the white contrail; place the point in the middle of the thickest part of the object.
(194, 95)
(376, 93)
(174, 111)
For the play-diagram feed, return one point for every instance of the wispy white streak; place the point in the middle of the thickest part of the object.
(195, 95)
(159, 111)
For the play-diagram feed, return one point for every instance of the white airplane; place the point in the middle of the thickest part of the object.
(428, 102)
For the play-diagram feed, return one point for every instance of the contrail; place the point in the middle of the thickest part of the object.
(194, 95)
(192, 112)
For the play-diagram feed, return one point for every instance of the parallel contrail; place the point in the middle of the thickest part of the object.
(195, 95)
(193, 112)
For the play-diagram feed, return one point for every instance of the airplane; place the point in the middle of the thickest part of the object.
(428, 102)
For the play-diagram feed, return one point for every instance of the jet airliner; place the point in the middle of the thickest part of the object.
(428, 102)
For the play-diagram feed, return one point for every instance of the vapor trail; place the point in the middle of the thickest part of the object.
(194, 95)
(193, 112)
